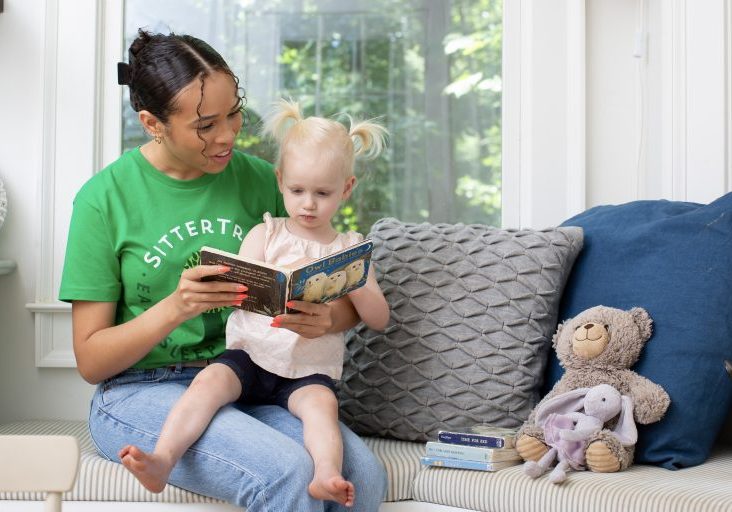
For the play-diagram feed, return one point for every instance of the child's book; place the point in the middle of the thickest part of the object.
(480, 435)
(271, 286)
(447, 462)
(466, 452)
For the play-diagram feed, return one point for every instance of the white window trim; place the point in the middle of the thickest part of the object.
(728, 88)
(79, 40)
(541, 146)
(83, 43)
(696, 134)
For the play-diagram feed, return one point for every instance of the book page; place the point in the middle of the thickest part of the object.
(267, 286)
(331, 277)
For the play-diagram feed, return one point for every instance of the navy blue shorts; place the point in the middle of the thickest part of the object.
(260, 387)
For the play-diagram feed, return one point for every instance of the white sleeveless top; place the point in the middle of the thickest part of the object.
(279, 350)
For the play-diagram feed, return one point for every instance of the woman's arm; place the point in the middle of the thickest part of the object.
(103, 349)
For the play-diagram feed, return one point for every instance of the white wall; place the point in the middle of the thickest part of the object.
(685, 128)
(25, 391)
(611, 122)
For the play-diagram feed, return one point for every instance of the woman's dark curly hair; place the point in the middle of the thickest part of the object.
(161, 65)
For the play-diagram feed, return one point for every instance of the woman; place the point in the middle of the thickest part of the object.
(144, 322)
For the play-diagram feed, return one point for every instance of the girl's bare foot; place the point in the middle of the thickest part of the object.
(333, 488)
(150, 469)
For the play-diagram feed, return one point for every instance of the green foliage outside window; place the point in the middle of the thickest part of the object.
(438, 91)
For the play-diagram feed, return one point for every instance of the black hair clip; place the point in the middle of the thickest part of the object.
(123, 73)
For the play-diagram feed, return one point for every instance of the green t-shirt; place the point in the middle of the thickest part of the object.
(134, 230)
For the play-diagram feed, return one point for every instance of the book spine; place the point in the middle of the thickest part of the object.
(287, 295)
(460, 451)
(456, 463)
(473, 439)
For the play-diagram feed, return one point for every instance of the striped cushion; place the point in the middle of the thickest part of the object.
(639, 489)
(99, 479)
(102, 480)
(703, 488)
(401, 460)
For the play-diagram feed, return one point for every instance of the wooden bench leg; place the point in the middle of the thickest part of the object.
(53, 502)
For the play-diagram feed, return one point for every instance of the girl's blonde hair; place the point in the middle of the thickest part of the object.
(340, 146)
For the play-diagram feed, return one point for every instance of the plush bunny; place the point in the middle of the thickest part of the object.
(569, 420)
(599, 346)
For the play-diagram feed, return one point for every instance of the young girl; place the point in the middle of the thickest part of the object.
(264, 364)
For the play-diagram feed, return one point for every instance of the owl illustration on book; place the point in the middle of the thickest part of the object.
(335, 283)
(314, 287)
(354, 272)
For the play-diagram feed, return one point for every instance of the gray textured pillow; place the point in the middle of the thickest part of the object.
(473, 310)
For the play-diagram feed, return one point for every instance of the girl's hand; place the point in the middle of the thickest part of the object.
(193, 296)
(312, 321)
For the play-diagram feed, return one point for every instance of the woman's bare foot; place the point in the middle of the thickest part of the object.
(150, 469)
(333, 488)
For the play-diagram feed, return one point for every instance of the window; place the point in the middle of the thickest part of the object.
(542, 79)
(429, 69)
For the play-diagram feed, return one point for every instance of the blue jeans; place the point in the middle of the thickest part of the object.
(251, 456)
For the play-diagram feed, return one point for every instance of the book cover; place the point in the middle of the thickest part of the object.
(271, 286)
(466, 452)
(487, 437)
(447, 462)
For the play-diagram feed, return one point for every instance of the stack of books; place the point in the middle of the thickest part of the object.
(480, 447)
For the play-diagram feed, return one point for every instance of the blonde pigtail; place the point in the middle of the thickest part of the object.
(284, 115)
(369, 138)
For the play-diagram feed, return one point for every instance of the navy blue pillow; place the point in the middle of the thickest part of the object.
(675, 260)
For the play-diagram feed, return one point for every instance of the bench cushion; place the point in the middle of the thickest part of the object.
(704, 488)
(102, 480)
(99, 479)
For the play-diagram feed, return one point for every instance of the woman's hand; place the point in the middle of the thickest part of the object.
(312, 321)
(194, 296)
(104, 349)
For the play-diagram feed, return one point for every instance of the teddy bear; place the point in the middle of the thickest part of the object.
(599, 346)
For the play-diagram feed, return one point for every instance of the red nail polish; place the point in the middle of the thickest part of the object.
(290, 304)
